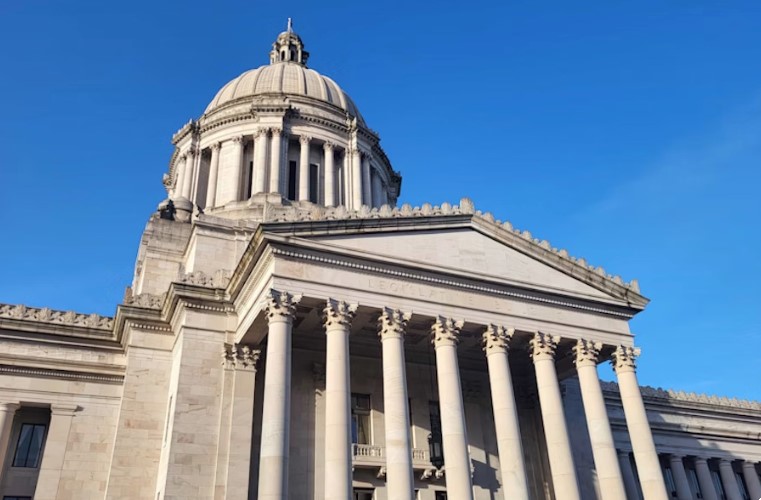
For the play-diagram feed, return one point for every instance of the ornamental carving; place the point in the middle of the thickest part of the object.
(339, 314)
(146, 301)
(497, 338)
(276, 131)
(586, 352)
(625, 358)
(688, 397)
(392, 323)
(237, 139)
(304, 140)
(543, 345)
(240, 357)
(262, 132)
(190, 153)
(216, 146)
(446, 331)
(328, 146)
(220, 278)
(281, 305)
(45, 315)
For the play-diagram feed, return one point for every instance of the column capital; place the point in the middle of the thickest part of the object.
(673, 457)
(304, 139)
(328, 146)
(238, 139)
(9, 407)
(260, 132)
(215, 146)
(446, 331)
(392, 323)
(190, 152)
(543, 346)
(276, 131)
(338, 314)
(281, 306)
(497, 338)
(624, 358)
(586, 352)
(240, 357)
(67, 410)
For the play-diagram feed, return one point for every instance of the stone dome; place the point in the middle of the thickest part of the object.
(285, 78)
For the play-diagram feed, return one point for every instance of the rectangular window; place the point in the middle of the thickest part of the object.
(360, 419)
(363, 494)
(743, 487)
(340, 193)
(29, 446)
(292, 175)
(669, 478)
(247, 188)
(314, 183)
(441, 495)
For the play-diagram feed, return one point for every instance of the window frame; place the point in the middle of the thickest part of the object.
(40, 447)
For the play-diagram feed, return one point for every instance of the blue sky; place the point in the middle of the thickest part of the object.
(627, 132)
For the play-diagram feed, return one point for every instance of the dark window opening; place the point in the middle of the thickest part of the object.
(363, 494)
(360, 419)
(313, 182)
(292, 173)
(250, 180)
(29, 446)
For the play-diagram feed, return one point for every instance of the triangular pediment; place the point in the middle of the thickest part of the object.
(466, 251)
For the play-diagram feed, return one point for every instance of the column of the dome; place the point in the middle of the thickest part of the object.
(276, 160)
(187, 180)
(237, 167)
(259, 174)
(377, 187)
(367, 196)
(181, 167)
(304, 168)
(356, 178)
(330, 175)
(211, 189)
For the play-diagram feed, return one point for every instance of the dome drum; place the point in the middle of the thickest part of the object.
(282, 134)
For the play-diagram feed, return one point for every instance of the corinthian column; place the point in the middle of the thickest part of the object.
(543, 348)
(276, 160)
(338, 467)
(211, 189)
(399, 482)
(496, 343)
(446, 332)
(330, 176)
(645, 456)
(304, 168)
(187, 178)
(600, 435)
(276, 407)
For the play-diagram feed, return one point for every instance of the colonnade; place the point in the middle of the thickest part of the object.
(445, 335)
(352, 181)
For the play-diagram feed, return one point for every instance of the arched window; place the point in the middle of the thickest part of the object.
(282, 56)
(293, 56)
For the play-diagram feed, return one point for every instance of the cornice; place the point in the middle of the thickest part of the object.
(60, 374)
(441, 280)
(668, 396)
(20, 312)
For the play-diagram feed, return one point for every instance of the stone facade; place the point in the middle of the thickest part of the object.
(291, 333)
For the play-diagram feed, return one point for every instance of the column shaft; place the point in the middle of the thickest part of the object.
(367, 193)
(304, 169)
(729, 481)
(54, 454)
(630, 482)
(555, 428)
(399, 480)
(707, 488)
(683, 491)
(330, 176)
(259, 174)
(454, 433)
(377, 189)
(241, 424)
(7, 412)
(276, 409)
(648, 465)
(600, 436)
(237, 167)
(187, 178)
(509, 446)
(211, 189)
(338, 457)
(356, 178)
(751, 480)
(276, 160)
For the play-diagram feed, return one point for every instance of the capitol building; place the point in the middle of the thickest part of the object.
(292, 333)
